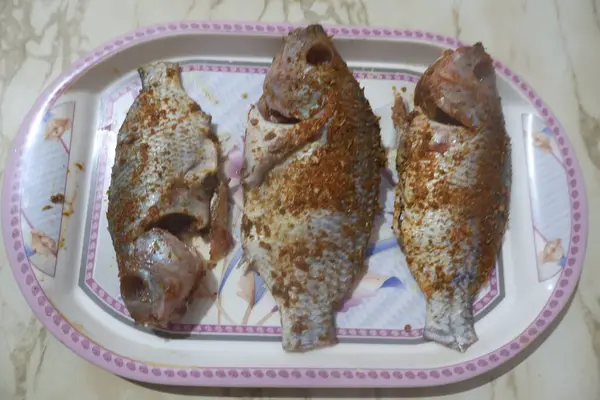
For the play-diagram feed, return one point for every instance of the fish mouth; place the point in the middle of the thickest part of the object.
(319, 54)
(145, 303)
(162, 272)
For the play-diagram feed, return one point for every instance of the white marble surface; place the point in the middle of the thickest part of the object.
(554, 44)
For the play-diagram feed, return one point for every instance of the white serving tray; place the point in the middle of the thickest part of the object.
(63, 259)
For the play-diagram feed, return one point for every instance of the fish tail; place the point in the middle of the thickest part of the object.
(449, 319)
(307, 329)
(159, 73)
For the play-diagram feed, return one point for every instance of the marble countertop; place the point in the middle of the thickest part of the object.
(555, 45)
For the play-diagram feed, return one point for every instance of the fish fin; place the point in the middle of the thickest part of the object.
(268, 144)
(400, 115)
(203, 173)
(246, 265)
(306, 330)
(400, 118)
(398, 210)
(220, 237)
(449, 320)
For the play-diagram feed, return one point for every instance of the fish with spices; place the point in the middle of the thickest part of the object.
(164, 185)
(312, 163)
(452, 198)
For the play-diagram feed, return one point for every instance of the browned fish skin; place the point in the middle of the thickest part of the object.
(454, 187)
(313, 157)
(162, 183)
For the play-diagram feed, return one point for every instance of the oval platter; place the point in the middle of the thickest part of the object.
(55, 233)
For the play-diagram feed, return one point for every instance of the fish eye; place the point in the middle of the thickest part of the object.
(319, 54)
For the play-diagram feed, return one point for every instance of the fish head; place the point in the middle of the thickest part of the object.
(159, 274)
(300, 75)
(459, 88)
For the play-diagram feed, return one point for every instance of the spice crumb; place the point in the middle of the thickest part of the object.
(79, 165)
(46, 207)
(57, 198)
(244, 95)
(270, 136)
(407, 328)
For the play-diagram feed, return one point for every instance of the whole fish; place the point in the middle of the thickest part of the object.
(454, 187)
(311, 175)
(163, 181)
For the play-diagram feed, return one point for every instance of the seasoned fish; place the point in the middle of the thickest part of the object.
(163, 181)
(453, 192)
(311, 175)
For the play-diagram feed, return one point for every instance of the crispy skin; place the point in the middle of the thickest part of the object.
(163, 179)
(312, 165)
(453, 195)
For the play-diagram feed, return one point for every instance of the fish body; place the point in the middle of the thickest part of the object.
(162, 184)
(311, 175)
(452, 198)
